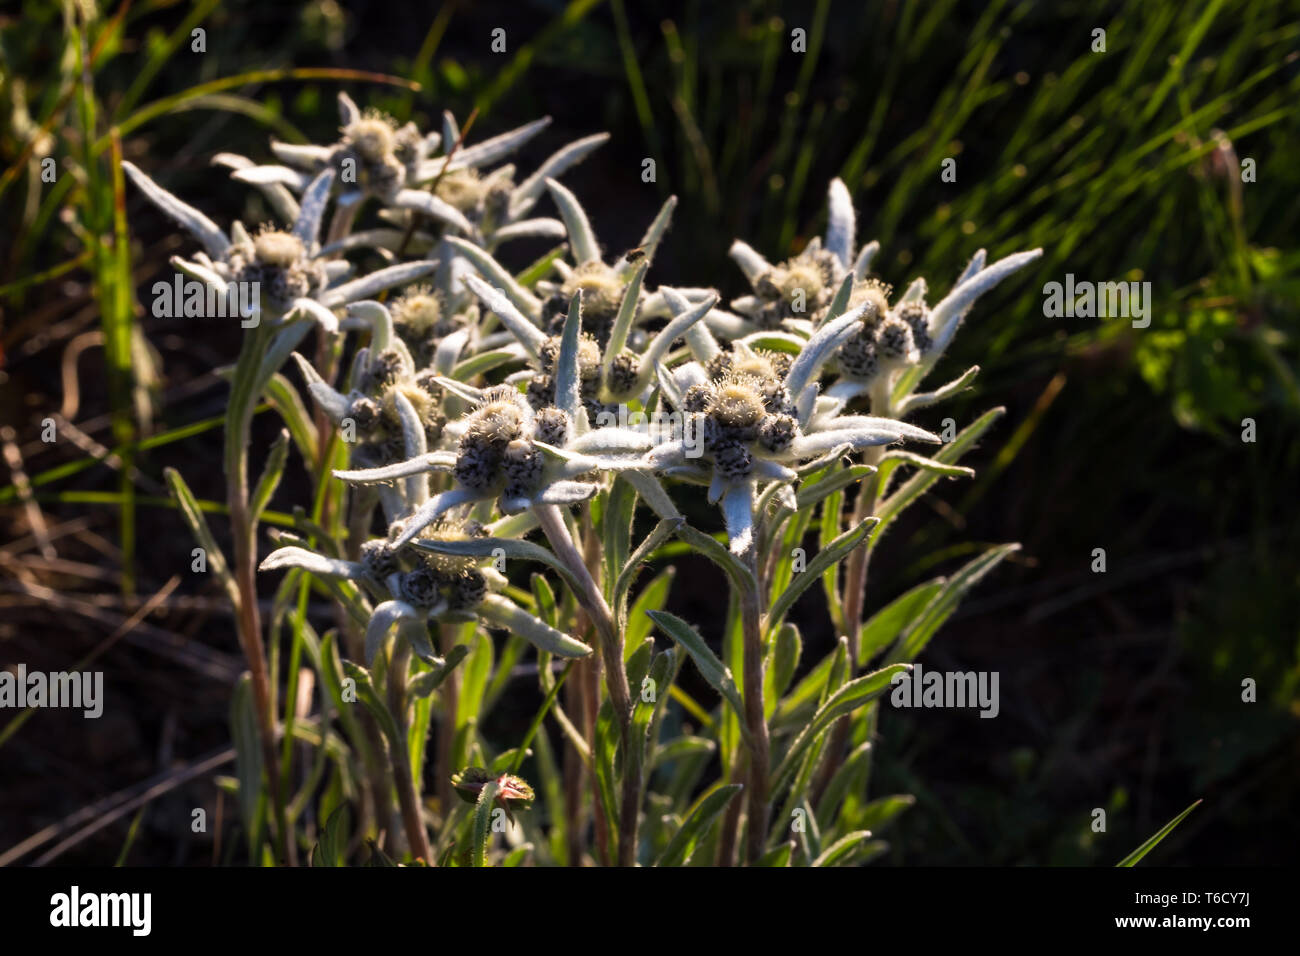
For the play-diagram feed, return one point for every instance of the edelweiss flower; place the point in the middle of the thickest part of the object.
(415, 583)
(750, 418)
(296, 278)
(374, 158)
(616, 359)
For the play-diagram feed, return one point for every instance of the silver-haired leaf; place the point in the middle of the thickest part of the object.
(311, 209)
(565, 493)
(428, 462)
(544, 228)
(504, 613)
(496, 275)
(945, 316)
(819, 349)
(568, 394)
(530, 190)
(521, 327)
(312, 309)
(751, 262)
(306, 155)
(379, 319)
(841, 226)
(431, 510)
(203, 228)
(430, 205)
(738, 513)
(581, 236)
(381, 623)
(312, 562)
(348, 111)
(367, 286)
(862, 265)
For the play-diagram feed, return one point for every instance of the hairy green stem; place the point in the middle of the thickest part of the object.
(409, 801)
(855, 594)
(611, 645)
(248, 620)
(752, 629)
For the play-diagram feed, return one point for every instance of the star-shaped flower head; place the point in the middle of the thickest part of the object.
(749, 417)
(426, 580)
(616, 358)
(376, 158)
(293, 274)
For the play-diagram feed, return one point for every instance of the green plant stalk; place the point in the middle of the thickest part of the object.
(855, 582)
(323, 486)
(752, 630)
(450, 692)
(611, 646)
(244, 534)
(416, 837)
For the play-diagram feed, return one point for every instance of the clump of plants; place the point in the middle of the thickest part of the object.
(502, 462)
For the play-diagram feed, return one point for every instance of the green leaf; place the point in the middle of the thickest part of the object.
(811, 493)
(882, 811)
(896, 459)
(482, 824)
(504, 613)
(845, 700)
(827, 557)
(424, 684)
(918, 484)
(840, 782)
(370, 699)
(710, 667)
(778, 857)
(248, 759)
(844, 850)
(718, 553)
(783, 660)
(631, 565)
(272, 472)
(804, 695)
(883, 627)
(331, 850)
(604, 754)
(544, 599)
(474, 680)
(378, 857)
(697, 825)
(518, 855)
(652, 598)
(923, 627)
(521, 752)
(198, 525)
(616, 531)
(482, 362)
(1133, 858)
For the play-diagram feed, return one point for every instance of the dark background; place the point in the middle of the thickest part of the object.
(1120, 691)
